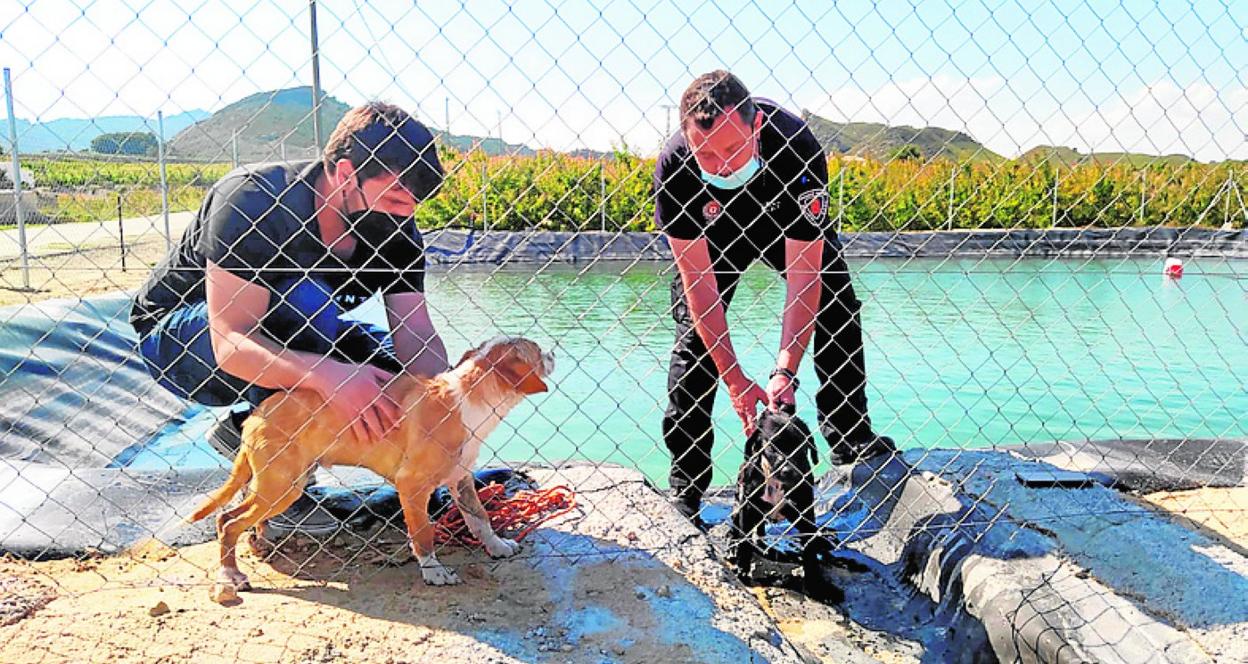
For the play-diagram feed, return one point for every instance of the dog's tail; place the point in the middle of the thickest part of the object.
(239, 476)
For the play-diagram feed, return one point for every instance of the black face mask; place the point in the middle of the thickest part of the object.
(373, 229)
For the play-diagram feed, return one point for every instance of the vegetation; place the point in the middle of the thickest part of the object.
(126, 143)
(554, 191)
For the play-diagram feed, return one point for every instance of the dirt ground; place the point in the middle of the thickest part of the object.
(1223, 511)
(624, 580)
(68, 273)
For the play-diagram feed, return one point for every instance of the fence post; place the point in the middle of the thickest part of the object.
(234, 148)
(1143, 184)
(121, 233)
(1230, 189)
(17, 183)
(316, 78)
(485, 197)
(164, 185)
(602, 177)
(840, 196)
(953, 172)
(1053, 223)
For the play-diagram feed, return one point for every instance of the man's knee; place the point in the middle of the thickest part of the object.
(303, 314)
(178, 355)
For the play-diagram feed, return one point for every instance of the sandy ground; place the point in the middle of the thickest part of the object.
(65, 273)
(625, 580)
(1223, 511)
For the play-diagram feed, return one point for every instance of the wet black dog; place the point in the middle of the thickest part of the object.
(777, 482)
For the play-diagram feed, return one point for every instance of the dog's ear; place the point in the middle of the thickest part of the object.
(522, 377)
(467, 354)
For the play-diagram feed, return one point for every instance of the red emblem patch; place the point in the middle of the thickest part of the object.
(814, 204)
(712, 210)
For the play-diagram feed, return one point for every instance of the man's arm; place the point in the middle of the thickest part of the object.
(693, 260)
(416, 343)
(235, 309)
(802, 263)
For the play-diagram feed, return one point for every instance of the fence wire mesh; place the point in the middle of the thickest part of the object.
(993, 255)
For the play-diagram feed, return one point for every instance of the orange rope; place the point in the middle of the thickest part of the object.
(513, 517)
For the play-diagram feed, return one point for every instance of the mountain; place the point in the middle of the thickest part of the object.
(1070, 157)
(74, 134)
(265, 122)
(869, 139)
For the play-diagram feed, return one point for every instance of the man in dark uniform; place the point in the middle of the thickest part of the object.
(251, 300)
(746, 180)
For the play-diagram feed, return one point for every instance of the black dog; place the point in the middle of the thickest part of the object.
(777, 481)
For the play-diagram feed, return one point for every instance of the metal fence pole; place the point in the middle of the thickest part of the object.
(602, 212)
(121, 233)
(953, 173)
(234, 148)
(164, 183)
(1143, 185)
(17, 182)
(1053, 223)
(316, 77)
(485, 198)
(840, 197)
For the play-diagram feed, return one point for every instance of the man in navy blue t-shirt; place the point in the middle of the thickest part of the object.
(745, 180)
(251, 300)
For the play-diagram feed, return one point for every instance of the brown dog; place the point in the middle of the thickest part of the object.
(443, 421)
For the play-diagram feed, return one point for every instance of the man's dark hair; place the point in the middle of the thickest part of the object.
(711, 94)
(383, 138)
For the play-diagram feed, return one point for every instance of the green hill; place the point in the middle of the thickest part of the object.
(264, 122)
(1065, 156)
(268, 122)
(869, 139)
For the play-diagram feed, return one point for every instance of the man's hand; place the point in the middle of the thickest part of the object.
(780, 392)
(746, 395)
(356, 392)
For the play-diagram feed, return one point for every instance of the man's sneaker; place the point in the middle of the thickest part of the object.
(846, 451)
(691, 511)
(306, 516)
(227, 434)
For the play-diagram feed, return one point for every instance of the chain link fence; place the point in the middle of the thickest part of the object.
(1008, 241)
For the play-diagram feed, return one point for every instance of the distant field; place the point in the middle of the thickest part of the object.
(555, 191)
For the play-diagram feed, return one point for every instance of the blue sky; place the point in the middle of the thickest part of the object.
(1158, 78)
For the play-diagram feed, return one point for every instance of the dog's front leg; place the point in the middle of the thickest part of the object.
(478, 520)
(414, 498)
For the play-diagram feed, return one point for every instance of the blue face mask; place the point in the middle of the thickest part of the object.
(735, 180)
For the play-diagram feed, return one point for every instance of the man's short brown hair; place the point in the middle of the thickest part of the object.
(710, 95)
(382, 138)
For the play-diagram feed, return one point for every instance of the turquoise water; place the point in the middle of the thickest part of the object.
(960, 353)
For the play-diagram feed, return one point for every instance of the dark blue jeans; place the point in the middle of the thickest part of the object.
(302, 316)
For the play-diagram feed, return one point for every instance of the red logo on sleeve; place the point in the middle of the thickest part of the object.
(814, 204)
(712, 210)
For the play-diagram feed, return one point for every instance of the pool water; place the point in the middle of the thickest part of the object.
(961, 353)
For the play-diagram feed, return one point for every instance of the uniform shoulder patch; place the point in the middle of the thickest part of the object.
(712, 210)
(814, 204)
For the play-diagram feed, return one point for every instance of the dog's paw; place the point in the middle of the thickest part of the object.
(501, 547)
(233, 577)
(227, 586)
(436, 574)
